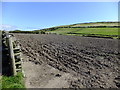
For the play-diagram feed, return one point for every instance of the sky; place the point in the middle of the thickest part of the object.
(39, 15)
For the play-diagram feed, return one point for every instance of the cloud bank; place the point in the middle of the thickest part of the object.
(7, 27)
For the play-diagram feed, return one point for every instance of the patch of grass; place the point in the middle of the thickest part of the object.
(96, 32)
(64, 30)
(103, 31)
(0, 82)
(13, 81)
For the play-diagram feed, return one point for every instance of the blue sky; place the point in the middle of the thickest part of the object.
(38, 15)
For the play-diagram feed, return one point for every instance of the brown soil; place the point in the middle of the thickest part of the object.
(58, 61)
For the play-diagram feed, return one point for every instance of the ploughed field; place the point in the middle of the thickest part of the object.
(94, 61)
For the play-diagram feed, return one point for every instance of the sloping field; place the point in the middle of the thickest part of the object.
(97, 24)
(95, 29)
(65, 30)
(93, 62)
(92, 24)
(102, 31)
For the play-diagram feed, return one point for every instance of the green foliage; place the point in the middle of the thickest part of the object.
(25, 32)
(42, 32)
(13, 81)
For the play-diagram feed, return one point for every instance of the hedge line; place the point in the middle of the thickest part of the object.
(28, 32)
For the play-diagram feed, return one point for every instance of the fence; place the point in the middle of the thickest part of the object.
(14, 52)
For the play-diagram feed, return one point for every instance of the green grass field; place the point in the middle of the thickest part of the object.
(79, 31)
(101, 32)
(64, 30)
(13, 81)
(104, 31)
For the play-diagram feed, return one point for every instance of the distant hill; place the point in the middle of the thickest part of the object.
(90, 24)
(96, 29)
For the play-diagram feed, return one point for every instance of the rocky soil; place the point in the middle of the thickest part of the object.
(87, 62)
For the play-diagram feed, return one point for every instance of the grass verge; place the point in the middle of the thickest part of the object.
(13, 81)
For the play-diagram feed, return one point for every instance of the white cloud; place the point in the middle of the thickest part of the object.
(7, 27)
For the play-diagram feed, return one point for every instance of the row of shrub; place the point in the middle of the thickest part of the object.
(97, 23)
(93, 34)
(86, 27)
(28, 32)
(96, 35)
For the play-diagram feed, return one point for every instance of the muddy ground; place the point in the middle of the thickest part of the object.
(59, 61)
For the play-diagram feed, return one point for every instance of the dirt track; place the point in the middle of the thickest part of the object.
(76, 62)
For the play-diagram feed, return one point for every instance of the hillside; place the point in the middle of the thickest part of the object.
(92, 29)
(91, 24)
(99, 29)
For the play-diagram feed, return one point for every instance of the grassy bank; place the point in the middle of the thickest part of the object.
(13, 81)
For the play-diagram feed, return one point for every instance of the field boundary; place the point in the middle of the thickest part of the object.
(12, 48)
